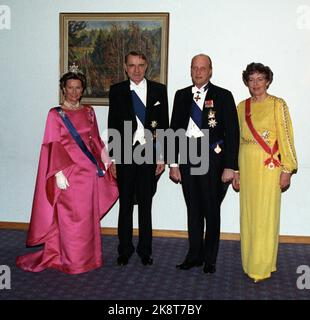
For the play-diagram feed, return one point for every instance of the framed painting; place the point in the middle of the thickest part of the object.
(98, 42)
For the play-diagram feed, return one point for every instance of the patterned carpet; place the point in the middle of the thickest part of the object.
(161, 281)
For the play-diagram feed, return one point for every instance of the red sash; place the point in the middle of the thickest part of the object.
(270, 162)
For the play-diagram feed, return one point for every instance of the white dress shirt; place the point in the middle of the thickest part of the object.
(140, 90)
(192, 129)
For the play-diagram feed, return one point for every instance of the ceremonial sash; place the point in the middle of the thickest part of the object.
(138, 107)
(196, 112)
(270, 162)
(77, 138)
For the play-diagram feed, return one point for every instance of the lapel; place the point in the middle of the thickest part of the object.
(211, 95)
(150, 98)
(128, 102)
(149, 94)
(188, 102)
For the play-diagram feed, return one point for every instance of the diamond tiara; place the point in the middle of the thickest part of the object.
(74, 68)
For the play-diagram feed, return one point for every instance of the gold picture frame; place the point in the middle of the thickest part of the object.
(98, 42)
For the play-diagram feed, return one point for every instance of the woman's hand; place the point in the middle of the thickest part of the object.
(61, 181)
(113, 170)
(285, 180)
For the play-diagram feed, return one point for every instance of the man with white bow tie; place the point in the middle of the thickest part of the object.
(197, 107)
(145, 104)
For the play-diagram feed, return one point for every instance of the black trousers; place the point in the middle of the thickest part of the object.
(203, 196)
(136, 183)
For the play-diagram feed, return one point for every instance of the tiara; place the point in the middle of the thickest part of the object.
(74, 68)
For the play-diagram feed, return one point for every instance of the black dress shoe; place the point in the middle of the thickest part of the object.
(146, 260)
(122, 260)
(209, 268)
(186, 265)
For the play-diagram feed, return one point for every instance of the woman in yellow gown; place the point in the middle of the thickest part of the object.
(267, 160)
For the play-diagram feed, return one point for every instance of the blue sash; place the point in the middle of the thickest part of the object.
(196, 114)
(77, 138)
(138, 106)
(140, 111)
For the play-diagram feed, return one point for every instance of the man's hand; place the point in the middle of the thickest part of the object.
(61, 181)
(236, 181)
(175, 174)
(228, 175)
(160, 167)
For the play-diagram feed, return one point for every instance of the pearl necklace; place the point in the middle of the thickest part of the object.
(71, 106)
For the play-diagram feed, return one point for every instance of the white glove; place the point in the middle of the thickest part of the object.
(61, 181)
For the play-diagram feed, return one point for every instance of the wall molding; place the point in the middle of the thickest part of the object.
(164, 233)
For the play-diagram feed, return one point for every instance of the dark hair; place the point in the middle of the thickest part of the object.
(72, 76)
(136, 54)
(255, 67)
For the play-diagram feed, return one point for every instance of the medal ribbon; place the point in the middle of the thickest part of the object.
(271, 151)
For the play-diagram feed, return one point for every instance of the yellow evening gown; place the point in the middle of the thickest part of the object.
(260, 193)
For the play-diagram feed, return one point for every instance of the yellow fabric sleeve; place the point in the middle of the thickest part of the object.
(285, 136)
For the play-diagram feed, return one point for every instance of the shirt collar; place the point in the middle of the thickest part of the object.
(201, 89)
(139, 86)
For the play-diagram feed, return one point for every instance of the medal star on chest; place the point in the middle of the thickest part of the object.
(212, 123)
(154, 124)
(211, 114)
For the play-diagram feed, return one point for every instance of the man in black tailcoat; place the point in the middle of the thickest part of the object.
(205, 106)
(144, 104)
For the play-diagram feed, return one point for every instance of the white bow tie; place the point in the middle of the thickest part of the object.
(196, 90)
(201, 90)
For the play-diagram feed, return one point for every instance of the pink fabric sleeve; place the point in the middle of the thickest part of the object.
(53, 158)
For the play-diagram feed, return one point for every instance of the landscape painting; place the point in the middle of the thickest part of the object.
(98, 42)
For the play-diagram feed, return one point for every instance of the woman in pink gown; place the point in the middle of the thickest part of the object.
(70, 198)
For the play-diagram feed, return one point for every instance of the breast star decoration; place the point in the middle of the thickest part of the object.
(212, 123)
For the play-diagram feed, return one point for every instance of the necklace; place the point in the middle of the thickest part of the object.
(71, 106)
